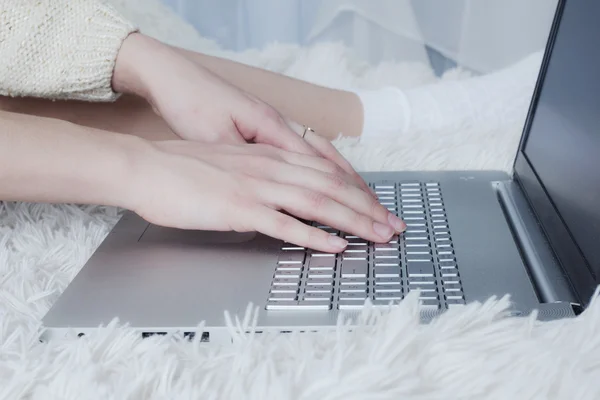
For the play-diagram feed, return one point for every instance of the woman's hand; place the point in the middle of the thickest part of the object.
(248, 188)
(200, 106)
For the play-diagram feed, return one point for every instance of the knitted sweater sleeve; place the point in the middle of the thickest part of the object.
(60, 49)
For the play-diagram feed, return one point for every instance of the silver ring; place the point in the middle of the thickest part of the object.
(306, 129)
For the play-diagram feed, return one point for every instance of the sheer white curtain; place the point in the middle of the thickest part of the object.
(482, 35)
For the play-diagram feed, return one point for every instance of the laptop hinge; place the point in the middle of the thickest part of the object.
(549, 279)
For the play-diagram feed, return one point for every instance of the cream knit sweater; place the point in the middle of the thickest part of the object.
(59, 49)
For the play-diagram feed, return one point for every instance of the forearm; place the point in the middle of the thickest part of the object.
(51, 161)
(59, 49)
(129, 114)
(328, 111)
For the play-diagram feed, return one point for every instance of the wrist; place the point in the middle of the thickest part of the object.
(120, 163)
(134, 65)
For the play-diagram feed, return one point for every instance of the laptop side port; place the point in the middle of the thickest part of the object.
(148, 334)
(205, 337)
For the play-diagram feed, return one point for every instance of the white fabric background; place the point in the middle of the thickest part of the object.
(482, 35)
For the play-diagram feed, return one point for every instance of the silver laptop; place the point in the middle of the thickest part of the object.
(533, 234)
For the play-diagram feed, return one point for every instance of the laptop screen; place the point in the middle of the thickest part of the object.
(562, 146)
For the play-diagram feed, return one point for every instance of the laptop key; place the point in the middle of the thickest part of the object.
(417, 250)
(282, 296)
(383, 289)
(385, 247)
(289, 267)
(353, 289)
(321, 263)
(387, 281)
(452, 287)
(291, 257)
(423, 286)
(320, 274)
(430, 304)
(417, 243)
(395, 254)
(313, 305)
(319, 282)
(299, 305)
(354, 268)
(457, 301)
(418, 257)
(419, 268)
(289, 247)
(316, 296)
(387, 272)
(449, 273)
(353, 281)
(286, 281)
(389, 296)
(352, 296)
(351, 304)
(356, 247)
(363, 255)
(385, 302)
(284, 289)
(441, 237)
(318, 289)
(287, 274)
(317, 254)
(416, 233)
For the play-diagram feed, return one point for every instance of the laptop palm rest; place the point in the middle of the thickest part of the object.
(170, 278)
(158, 234)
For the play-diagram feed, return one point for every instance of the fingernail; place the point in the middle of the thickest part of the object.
(385, 231)
(338, 242)
(397, 223)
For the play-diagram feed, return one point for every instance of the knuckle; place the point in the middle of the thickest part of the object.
(268, 150)
(329, 167)
(336, 168)
(336, 182)
(268, 113)
(360, 220)
(283, 223)
(376, 207)
(255, 163)
(315, 200)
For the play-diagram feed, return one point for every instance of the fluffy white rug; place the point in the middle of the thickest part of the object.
(472, 353)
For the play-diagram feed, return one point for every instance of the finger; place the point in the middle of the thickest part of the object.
(317, 163)
(325, 149)
(336, 188)
(315, 206)
(194, 149)
(280, 226)
(328, 151)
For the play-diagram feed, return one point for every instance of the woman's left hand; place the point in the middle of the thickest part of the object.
(200, 106)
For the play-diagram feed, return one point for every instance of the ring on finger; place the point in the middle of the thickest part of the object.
(306, 130)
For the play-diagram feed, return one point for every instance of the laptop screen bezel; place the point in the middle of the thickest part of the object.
(566, 250)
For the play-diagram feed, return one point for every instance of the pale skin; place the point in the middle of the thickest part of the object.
(189, 165)
(328, 111)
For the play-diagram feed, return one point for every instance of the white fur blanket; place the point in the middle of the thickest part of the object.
(472, 353)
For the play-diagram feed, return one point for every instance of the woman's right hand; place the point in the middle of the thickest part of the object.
(252, 187)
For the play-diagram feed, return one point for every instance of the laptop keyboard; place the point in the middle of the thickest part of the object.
(420, 258)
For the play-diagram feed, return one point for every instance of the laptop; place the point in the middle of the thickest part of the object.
(533, 234)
